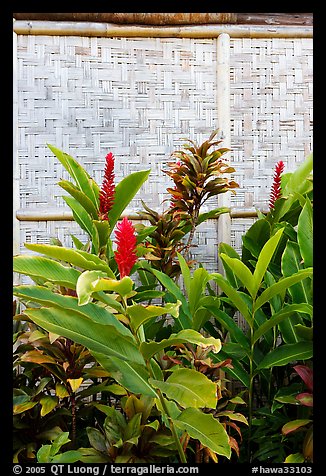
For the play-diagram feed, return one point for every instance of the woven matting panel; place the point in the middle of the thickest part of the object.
(271, 112)
(139, 97)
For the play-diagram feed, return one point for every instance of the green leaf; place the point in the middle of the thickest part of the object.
(304, 332)
(185, 272)
(77, 172)
(79, 258)
(80, 215)
(276, 318)
(124, 193)
(23, 407)
(96, 337)
(188, 388)
(228, 323)
(281, 285)
(288, 329)
(212, 214)
(264, 259)
(47, 298)
(291, 264)
(294, 458)
(234, 415)
(148, 349)
(205, 428)
(234, 296)
(81, 197)
(70, 456)
(132, 376)
(241, 271)
(294, 425)
(140, 314)
(197, 288)
(121, 286)
(96, 439)
(296, 180)
(39, 267)
(185, 317)
(48, 403)
(305, 234)
(226, 249)
(254, 239)
(284, 354)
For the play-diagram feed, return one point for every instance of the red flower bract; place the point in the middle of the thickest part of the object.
(125, 255)
(276, 191)
(106, 194)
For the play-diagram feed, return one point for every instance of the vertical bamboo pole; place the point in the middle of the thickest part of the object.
(16, 228)
(224, 124)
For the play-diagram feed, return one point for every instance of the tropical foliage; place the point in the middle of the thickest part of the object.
(126, 352)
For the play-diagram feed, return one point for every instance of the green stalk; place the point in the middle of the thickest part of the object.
(182, 455)
(251, 383)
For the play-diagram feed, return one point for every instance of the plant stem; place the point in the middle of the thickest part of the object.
(182, 455)
(251, 386)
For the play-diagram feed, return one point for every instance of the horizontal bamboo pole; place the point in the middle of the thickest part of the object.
(175, 18)
(130, 31)
(66, 215)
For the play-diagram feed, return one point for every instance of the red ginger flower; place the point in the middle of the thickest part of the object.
(106, 194)
(276, 191)
(125, 255)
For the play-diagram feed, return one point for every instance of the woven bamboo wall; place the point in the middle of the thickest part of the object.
(139, 97)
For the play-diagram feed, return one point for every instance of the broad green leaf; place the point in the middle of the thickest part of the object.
(103, 232)
(288, 329)
(124, 193)
(47, 298)
(226, 249)
(61, 391)
(50, 270)
(234, 296)
(43, 454)
(48, 403)
(71, 456)
(294, 458)
(284, 354)
(185, 272)
(96, 439)
(188, 388)
(23, 407)
(148, 349)
(140, 314)
(184, 317)
(254, 239)
(304, 332)
(276, 318)
(77, 172)
(294, 425)
(305, 234)
(96, 337)
(81, 197)
(228, 323)
(79, 258)
(121, 286)
(264, 259)
(132, 376)
(296, 181)
(205, 428)
(281, 285)
(80, 215)
(291, 264)
(198, 283)
(241, 271)
(84, 287)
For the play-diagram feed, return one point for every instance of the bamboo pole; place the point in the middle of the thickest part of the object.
(66, 215)
(16, 199)
(129, 31)
(175, 18)
(224, 123)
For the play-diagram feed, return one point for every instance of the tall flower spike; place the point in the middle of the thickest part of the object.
(106, 194)
(276, 191)
(125, 255)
